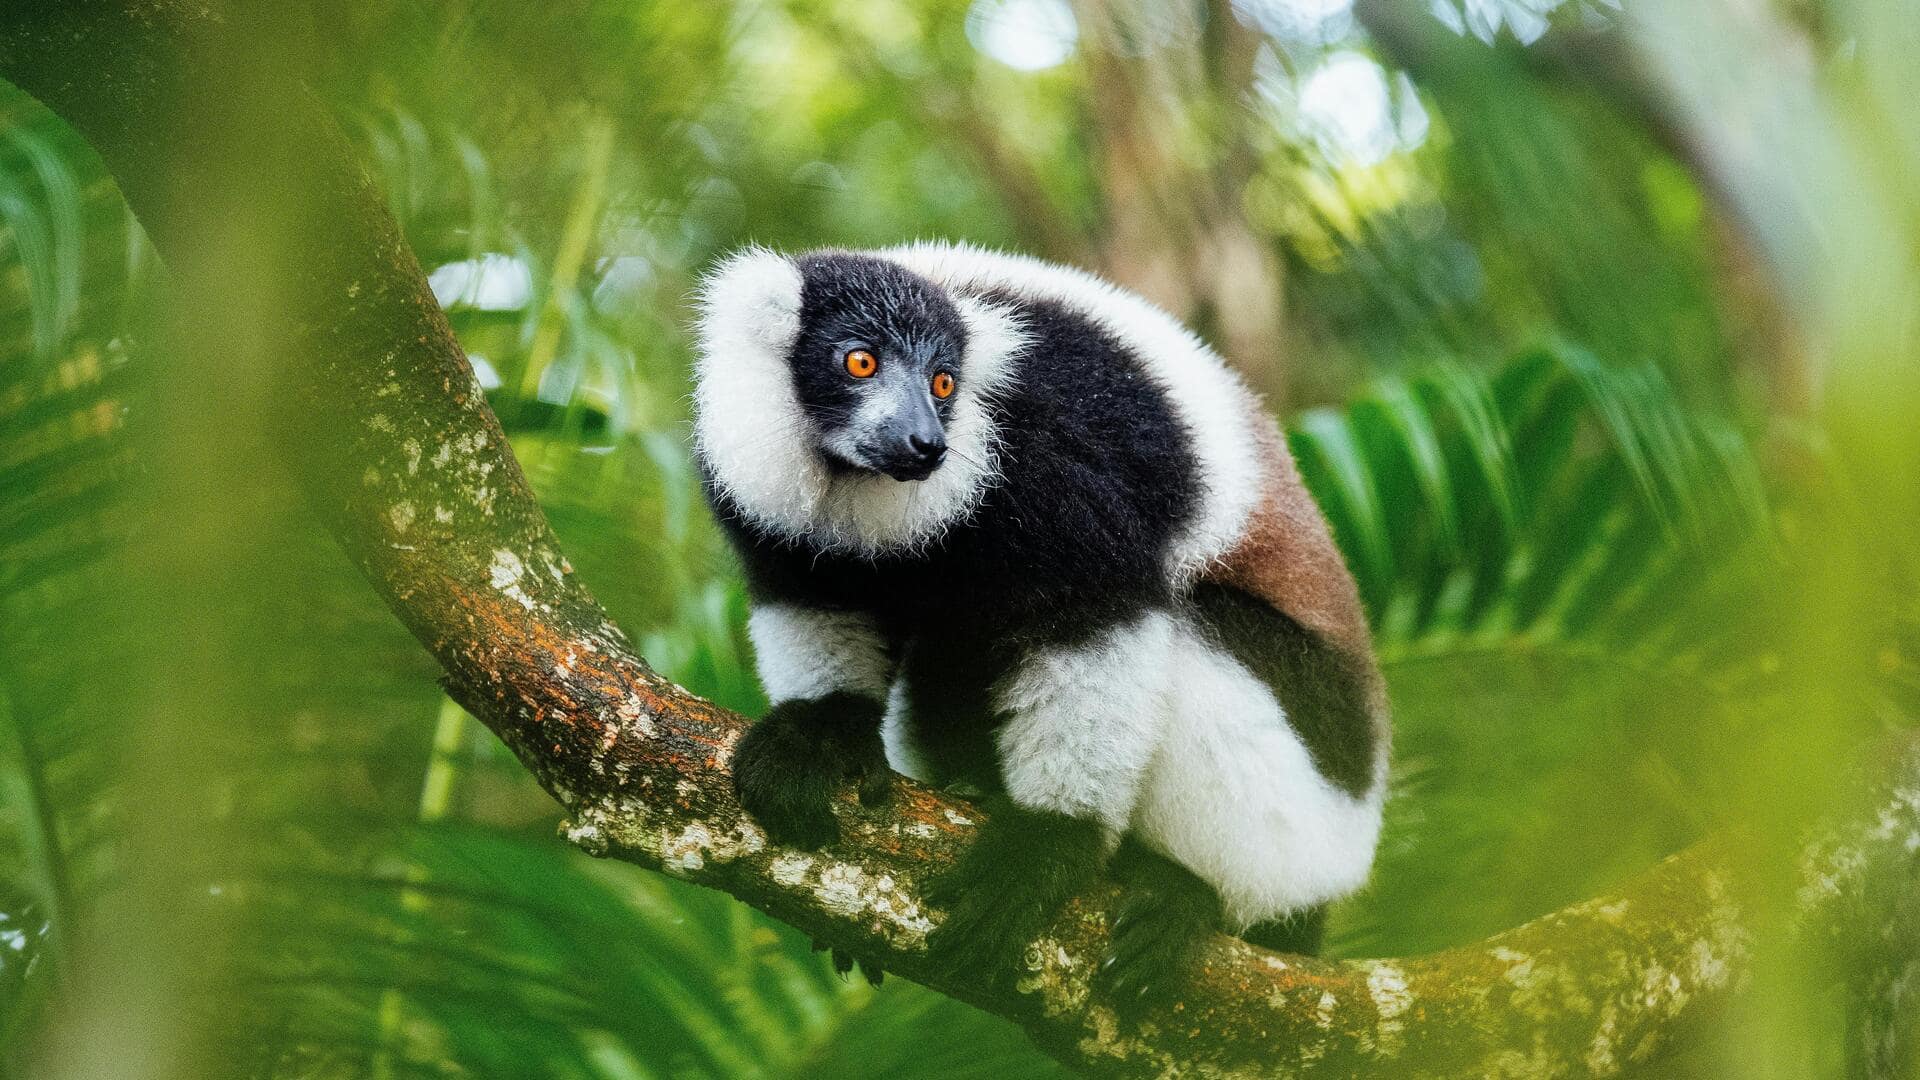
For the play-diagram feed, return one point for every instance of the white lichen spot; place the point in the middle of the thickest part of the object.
(443, 455)
(749, 838)
(353, 291)
(1707, 967)
(958, 819)
(587, 836)
(371, 477)
(690, 850)
(1660, 988)
(634, 715)
(848, 891)
(1520, 967)
(1275, 963)
(380, 422)
(790, 870)
(411, 448)
(401, 514)
(1387, 985)
(443, 514)
(920, 829)
(1600, 1053)
(1540, 1061)
(1612, 913)
(842, 889)
(1323, 1011)
(505, 574)
(686, 852)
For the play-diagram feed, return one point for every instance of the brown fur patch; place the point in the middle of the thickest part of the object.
(1287, 558)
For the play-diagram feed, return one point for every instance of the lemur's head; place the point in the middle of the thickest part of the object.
(845, 398)
(876, 364)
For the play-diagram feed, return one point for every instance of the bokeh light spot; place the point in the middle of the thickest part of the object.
(1028, 35)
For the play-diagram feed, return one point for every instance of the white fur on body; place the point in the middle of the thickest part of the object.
(1083, 722)
(1232, 795)
(804, 652)
(1155, 730)
(1151, 728)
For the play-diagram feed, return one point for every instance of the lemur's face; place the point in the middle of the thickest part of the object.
(876, 365)
(851, 399)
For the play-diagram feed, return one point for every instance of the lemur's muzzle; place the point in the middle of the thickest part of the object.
(911, 444)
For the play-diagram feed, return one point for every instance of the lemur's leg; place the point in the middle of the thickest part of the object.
(827, 673)
(1082, 720)
(1239, 798)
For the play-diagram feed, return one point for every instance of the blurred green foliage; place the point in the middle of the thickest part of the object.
(1555, 373)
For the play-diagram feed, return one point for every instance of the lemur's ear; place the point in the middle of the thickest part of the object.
(755, 291)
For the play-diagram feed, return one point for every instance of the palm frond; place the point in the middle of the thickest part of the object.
(1557, 523)
(64, 472)
(42, 206)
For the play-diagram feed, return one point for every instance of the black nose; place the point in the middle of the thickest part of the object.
(913, 455)
(929, 449)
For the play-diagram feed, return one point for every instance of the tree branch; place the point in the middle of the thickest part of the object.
(208, 134)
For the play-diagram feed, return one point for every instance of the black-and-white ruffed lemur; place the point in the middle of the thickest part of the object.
(1008, 526)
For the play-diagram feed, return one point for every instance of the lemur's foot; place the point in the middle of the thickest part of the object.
(1167, 916)
(787, 766)
(845, 962)
(1007, 887)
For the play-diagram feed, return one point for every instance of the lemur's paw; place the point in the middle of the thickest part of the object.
(845, 962)
(791, 802)
(876, 780)
(1151, 959)
(1006, 889)
(1164, 921)
(787, 766)
(989, 926)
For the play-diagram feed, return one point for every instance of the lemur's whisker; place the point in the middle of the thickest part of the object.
(966, 457)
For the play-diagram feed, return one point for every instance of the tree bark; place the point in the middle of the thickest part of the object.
(208, 133)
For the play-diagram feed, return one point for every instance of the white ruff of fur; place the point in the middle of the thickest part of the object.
(750, 429)
(1213, 405)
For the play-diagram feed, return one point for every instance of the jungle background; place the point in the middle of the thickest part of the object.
(1593, 328)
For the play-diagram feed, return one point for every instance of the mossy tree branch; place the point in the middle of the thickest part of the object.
(210, 134)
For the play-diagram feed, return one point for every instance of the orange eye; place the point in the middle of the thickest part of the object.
(943, 386)
(861, 364)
